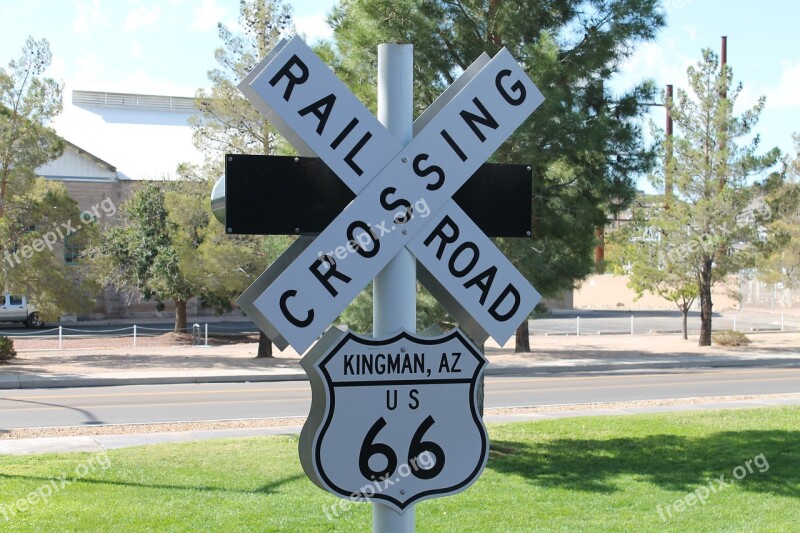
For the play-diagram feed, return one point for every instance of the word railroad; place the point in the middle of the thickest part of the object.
(297, 299)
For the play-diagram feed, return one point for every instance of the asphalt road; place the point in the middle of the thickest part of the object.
(173, 403)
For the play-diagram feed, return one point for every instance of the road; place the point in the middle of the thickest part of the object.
(172, 403)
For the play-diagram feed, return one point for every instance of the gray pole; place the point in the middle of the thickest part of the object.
(395, 288)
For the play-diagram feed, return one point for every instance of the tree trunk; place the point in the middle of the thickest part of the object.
(705, 303)
(685, 325)
(264, 346)
(180, 316)
(523, 344)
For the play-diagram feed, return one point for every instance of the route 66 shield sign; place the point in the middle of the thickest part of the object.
(393, 419)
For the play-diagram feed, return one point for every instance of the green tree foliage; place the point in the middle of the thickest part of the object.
(142, 255)
(652, 249)
(36, 216)
(711, 224)
(584, 143)
(781, 260)
(28, 101)
(228, 123)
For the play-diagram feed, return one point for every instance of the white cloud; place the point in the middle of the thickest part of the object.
(57, 67)
(207, 15)
(89, 15)
(141, 17)
(787, 92)
(136, 49)
(138, 81)
(656, 61)
(313, 27)
(89, 67)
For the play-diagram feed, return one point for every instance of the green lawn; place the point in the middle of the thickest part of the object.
(579, 474)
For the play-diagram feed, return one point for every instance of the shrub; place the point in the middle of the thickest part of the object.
(7, 352)
(730, 338)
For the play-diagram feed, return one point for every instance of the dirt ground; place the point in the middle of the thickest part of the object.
(174, 352)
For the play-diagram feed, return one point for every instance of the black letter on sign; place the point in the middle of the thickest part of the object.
(484, 286)
(456, 148)
(446, 239)
(493, 309)
(413, 393)
(354, 152)
(389, 403)
(345, 132)
(289, 316)
(472, 119)
(322, 114)
(400, 218)
(518, 87)
(475, 255)
(286, 72)
(433, 169)
(323, 277)
(360, 249)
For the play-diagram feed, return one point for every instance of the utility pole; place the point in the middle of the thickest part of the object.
(668, 168)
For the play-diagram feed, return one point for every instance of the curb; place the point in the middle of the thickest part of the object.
(24, 381)
(637, 365)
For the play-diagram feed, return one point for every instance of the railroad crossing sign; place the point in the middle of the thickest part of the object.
(298, 298)
(406, 425)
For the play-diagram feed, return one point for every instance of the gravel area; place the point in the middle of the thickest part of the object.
(121, 429)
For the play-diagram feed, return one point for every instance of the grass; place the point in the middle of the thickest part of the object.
(579, 474)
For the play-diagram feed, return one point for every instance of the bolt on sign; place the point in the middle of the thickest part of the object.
(400, 412)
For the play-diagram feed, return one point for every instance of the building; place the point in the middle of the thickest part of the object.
(113, 140)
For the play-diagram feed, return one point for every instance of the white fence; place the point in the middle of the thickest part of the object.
(61, 334)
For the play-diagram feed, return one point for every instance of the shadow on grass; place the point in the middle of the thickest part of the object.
(671, 462)
(269, 488)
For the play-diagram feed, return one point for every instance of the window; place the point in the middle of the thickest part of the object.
(72, 250)
(15, 300)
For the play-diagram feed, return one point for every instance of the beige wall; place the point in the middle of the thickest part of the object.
(606, 291)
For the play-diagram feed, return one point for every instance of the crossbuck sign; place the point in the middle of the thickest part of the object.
(394, 186)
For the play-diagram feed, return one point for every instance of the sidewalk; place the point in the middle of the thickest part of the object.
(102, 362)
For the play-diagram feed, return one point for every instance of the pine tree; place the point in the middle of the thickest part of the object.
(584, 143)
(228, 123)
(713, 160)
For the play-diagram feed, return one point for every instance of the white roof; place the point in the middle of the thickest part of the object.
(145, 136)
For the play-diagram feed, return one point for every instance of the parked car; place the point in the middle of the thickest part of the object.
(16, 309)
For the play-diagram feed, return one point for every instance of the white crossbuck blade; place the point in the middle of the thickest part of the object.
(404, 196)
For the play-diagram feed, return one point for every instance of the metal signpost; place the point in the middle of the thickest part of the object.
(396, 411)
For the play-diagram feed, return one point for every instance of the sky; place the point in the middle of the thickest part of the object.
(167, 46)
